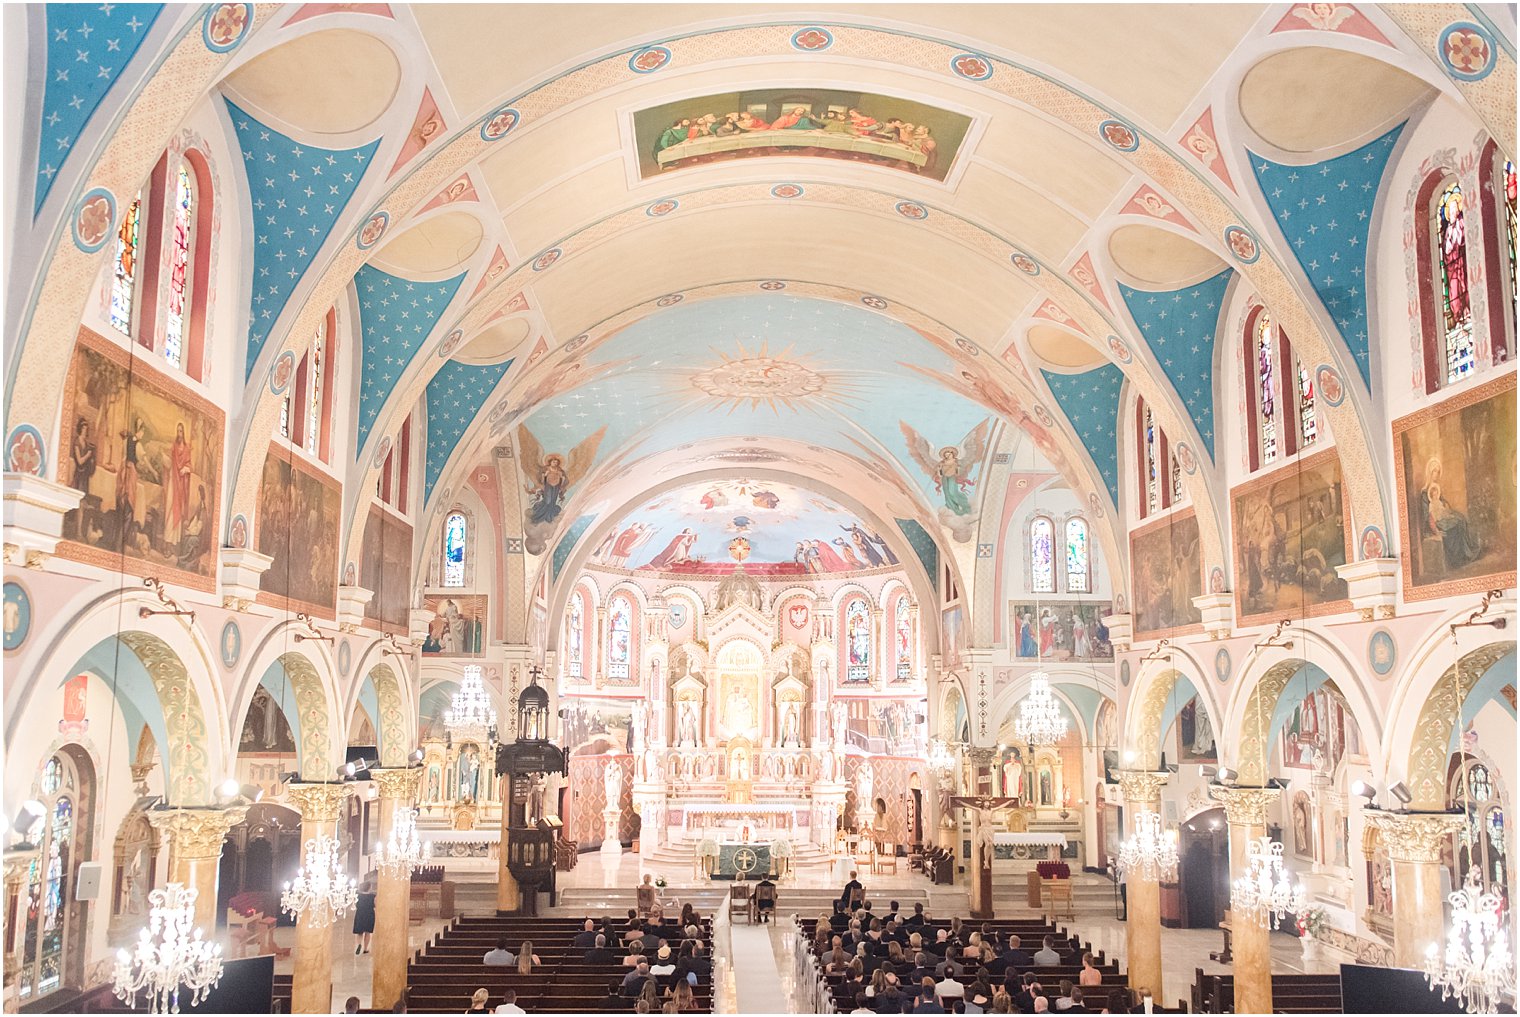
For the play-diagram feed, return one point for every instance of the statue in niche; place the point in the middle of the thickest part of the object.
(826, 765)
(612, 780)
(738, 711)
(639, 720)
(841, 716)
(738, 765)
(686, 724)
(469, 773)
(1047, 792)
(791, 727)
(136, 887)
(1013, 777)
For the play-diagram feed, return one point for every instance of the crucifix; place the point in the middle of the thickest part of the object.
(982, 808)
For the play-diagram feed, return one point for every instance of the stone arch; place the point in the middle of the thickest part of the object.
(317, 721)
(1146, 717)
(952, 705)
(1007, 700)
(1430, 741)
(394, 724)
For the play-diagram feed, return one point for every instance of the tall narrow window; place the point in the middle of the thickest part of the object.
(454, 533)
(181, 244)
(619, 636)
(1042, 556)
(857, 630)
(285, 416)
(44, 908)
(1266, 387)
(1451, 260)
(575, 637)
(903, 639)
(1507, 199)
(1308, 425)
(1151, 436)
(315, 365)
(124, 273)
(1174, 488)
(1078, 576)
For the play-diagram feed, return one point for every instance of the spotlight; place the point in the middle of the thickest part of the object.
(251, 792)
(346, 771)
(1402, 793)
(228, 789)
(30, 811)
(1362, 789)
(290, 776)
(1225, 775)
(1207, 771)
(1280, 783)
(417, 756)
(1170, 768)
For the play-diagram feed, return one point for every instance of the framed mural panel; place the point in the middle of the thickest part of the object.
(457, 626)
(1060, 630)
(1195, 734)
(386, 568)
(826, 123)
(1167, 569)
(298, 528)
(146, 453)
(1456, 470)
(1290, 535)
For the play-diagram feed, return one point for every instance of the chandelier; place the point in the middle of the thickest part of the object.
(404, 850)
(1264, 894)
(1039, 721)
(1150, 852)
(940, 756)
(470, 706)
(170, 955)
(321, 891)
(1478, 967)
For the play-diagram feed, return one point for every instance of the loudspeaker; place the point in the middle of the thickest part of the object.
(87, 882)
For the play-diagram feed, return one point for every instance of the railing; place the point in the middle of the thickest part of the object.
(810, 989)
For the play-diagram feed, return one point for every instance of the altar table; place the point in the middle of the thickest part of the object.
(754, 860)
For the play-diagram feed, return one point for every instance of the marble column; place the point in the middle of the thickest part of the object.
(1245, 810)
(320, 806)
(508, 895)
(195, 838)
(393, 895)
(1142, 793)
(1414, 847)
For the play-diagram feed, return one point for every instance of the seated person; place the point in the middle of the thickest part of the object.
(1016, 957)
(1090, 975)
(853, 892)
(599, 954)
(664, 965)
(1046, 956)
(840, 919)
(613, 1001)
(765, 898)
(586, 938)
(917, 919)
(633, 981)
(500, 956)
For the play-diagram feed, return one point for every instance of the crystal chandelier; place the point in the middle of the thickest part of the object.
(1039, 721)
(1477, 967)
(322, 891)
(404, 850)
(470, 707)
(940, 756)
(170, 955)
(1264, 894)
(1150, 852)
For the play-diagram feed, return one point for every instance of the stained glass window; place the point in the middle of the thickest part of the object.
(179, 266)
(1152, 481)
(575, 638)
(1511, 232)
(1451, 258)
(315, 364)
(903, 629)
(1176, 478)
(1495, 824)
(285, 417)
(1077, 575)
(619, 636)
(1266, 401)
(47, 890)
(1481, 844)
(1308, 425)
(857, 629)
(124, 277)
(453, 549)
(1042, 555)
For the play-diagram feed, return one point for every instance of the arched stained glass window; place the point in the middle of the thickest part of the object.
(1266, 388)
(857, 632)
(1176, 478)
(1078, 576)
(315, 365)
(1308, 425)
(124, 269)
(1495, 846)
(619, 636)
(1511, 234)
(903, 639)
(181, 244)
(1151, 436)
(1451, 261)
(1475, 791)
(575, 635)
(44, 907)
(1042, 556)
(454, 533)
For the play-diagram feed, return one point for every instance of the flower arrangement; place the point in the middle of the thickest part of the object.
(1311, 921)
(659, 881)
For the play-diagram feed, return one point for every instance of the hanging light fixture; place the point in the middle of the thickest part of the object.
(322, 890)
(471, 706)
(403, 851)
(940, 757)
(1150, 852)
(171, 956)
(1039, 721)
(1477, 966)
(1265, 894)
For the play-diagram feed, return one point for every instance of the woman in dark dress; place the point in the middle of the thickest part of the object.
(364, 915)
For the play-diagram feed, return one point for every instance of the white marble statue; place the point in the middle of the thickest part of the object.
(612, 779)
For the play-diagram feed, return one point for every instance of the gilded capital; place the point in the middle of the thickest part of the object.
(197, 833)
(397, 783)
(1245, 806)
(980, 756)
(16, 865)
(1142, 787)
(1414, 837)
(318, 803)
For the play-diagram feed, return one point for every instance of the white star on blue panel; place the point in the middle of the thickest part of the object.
(1091, 402)
(454, 397)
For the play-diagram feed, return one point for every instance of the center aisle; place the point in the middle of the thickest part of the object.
(757, 978)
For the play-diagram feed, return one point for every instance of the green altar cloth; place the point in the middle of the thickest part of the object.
(754, 860)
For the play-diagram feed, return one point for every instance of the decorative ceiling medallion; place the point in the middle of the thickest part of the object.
(1242, 244)
(350, 574)
(1467, 51)
(967, 347)
(1374, 545)
(761, 378)
(1328, 382)
(1222, 664)
(382, 451)
(1024, 263)
(345, 657)
(649, 59)
(18, 616)
(812, 39)
(225, 26)
(912, 210)
(787, 191)
(93, 219)
(1382, 652)
(664, 206)
(1186, 458)
(373, 230)
(546, 259)
(450, 343)
(877, 302)
(25, 452)
(1044, 415)
(1120, 135)
(1216, 580)
(231, 644)
(283, 371)
(1124, 673)
(499, 123)
(237, 532)
(971, 66)
(577, 342)
(1094, 503)
(773, 284)
(670, 300)
(1119, 350)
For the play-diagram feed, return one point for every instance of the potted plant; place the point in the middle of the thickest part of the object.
(1311, 925)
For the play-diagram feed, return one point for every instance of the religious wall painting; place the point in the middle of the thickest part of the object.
(1167, 571)
(596, 725)
(1290, 536)
(738, 667)
(892, 727)
(1060, 630)
(1195, 734)
(952, 621)
(1456, 470)
(265, 729)
(951, 467)
(456, 625)
(298, 528)
(146, 454)
(859, 127)
(386, 569)
(1303, 825)
(1320, 732)
(548, 476)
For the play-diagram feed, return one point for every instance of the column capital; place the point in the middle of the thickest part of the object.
(16, 864)
(318, 802)
(1142, 787)
(197, 833)
(397, 782)
(980, 756)
(1244, 806)
(1414, 836)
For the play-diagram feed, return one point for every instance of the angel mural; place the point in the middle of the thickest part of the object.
(951, 471)
(550, 476)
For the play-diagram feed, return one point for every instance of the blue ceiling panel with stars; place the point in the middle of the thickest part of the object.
(298, 192)
(88, 46)
(395, 318)
(454, 397)
(1325, 212)
(1090, 401)
(1180, 327)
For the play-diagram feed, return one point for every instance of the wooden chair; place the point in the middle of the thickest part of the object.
(865, 854)
(738, 900)
(1056, 894)
(886, 859)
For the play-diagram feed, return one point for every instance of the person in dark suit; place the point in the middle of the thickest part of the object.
(599, 954)
(928, 1002)
(586, 938)
(916, 919)
(849, 891)
(1017, 958)
(891, 915)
